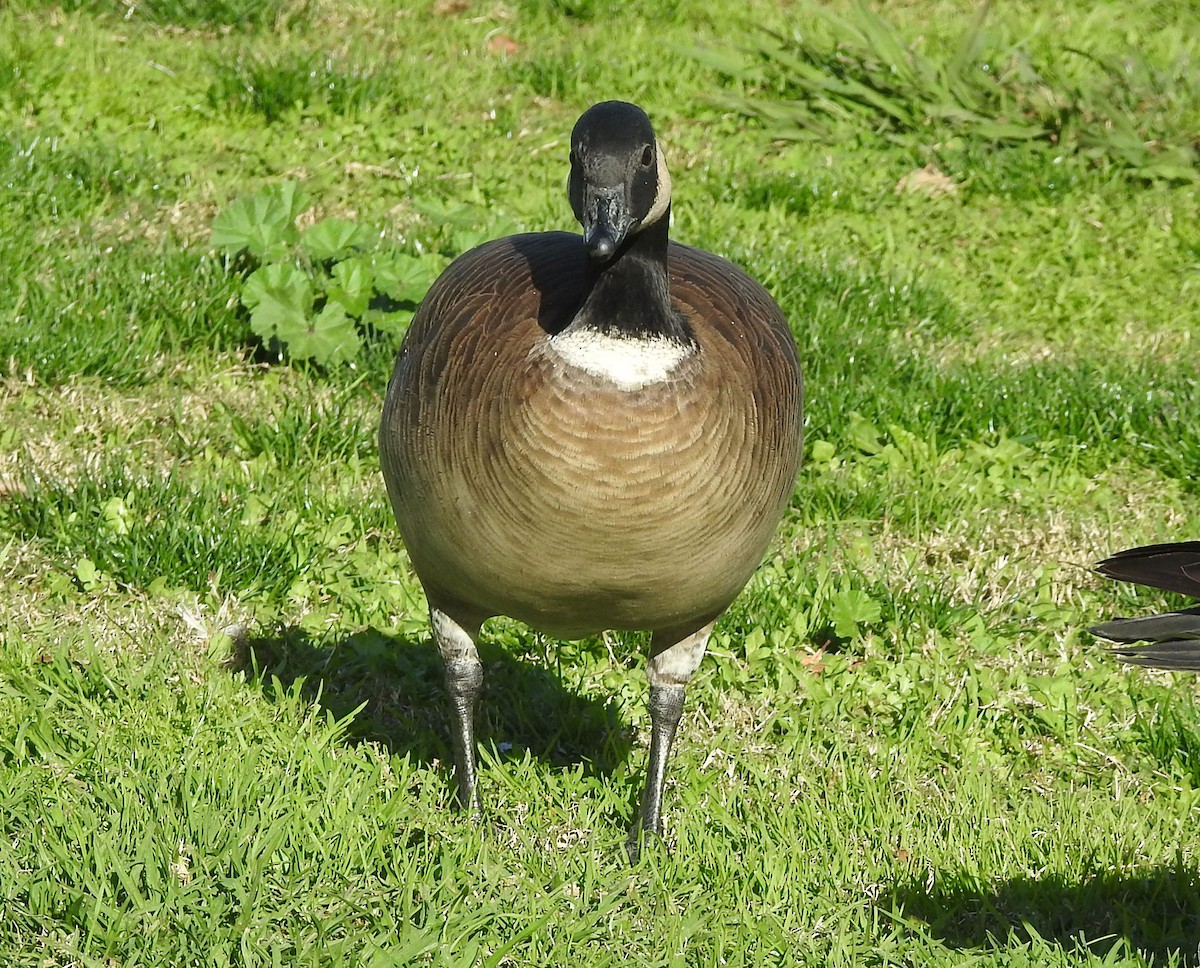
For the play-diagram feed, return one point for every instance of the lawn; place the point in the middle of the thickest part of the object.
(222, 728)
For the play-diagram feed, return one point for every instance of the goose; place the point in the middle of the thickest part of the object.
(592, 432)
(1175, 636)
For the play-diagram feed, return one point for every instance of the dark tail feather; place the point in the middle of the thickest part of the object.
(1152, 628)
(1171, 567)
(1174, 637)
(1183, 655)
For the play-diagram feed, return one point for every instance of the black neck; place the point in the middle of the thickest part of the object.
(628, 295)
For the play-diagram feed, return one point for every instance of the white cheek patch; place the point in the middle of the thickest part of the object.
(662, 197)
(628, 362)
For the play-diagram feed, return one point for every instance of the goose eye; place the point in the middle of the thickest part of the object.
(647, 156)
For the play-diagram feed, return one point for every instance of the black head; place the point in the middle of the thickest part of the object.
(619, 183)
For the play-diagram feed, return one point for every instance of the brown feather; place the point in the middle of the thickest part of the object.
(529, 488)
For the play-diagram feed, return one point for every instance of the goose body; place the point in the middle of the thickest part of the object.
(1173, 639)
(607, 483)
(592, 432)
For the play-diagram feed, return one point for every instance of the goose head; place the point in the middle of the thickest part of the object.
(619, 183)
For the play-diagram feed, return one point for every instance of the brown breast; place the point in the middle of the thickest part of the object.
(527, 487)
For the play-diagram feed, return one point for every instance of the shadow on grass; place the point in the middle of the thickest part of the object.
(1153, 914)
(523, 706)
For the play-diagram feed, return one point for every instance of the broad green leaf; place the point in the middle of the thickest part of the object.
(117, 515)
(329, 337)
(439, 213)
(821, 451)
(351, 285)
(465, 238)
(403, 277)
(853, 608)
(254, 511)
(86, 571)
(291, 197)
(262, 224)
(863, 434)
(279, 297)
(395, 322)
(89, 575)
(332, 238)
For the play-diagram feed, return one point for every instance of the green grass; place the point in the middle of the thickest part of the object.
(1002, 80)
(222, 729)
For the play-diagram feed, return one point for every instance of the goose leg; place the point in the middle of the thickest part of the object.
(464, 679)
(673, 661)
